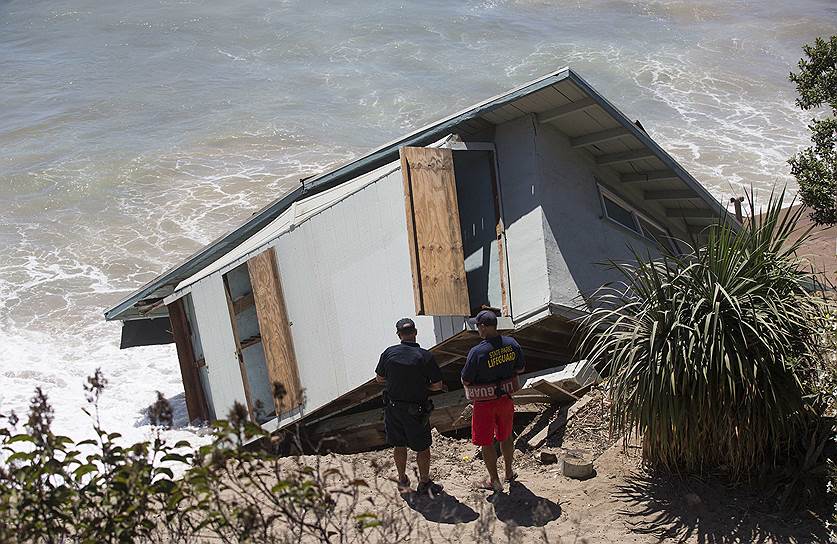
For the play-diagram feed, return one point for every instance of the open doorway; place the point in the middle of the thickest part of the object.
(257, 383)
(479, 219)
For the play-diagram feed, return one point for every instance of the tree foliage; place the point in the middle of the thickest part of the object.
(713, 355)
(815, 168)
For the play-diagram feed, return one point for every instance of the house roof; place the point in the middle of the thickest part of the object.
(562, 99)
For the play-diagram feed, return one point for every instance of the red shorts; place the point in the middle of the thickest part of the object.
(492, 418)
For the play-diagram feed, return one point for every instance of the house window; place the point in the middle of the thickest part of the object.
(615, 211)
(621, 212)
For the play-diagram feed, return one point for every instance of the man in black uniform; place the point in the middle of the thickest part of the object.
(409, 372)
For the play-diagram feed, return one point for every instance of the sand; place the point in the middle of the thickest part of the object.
(622, 502)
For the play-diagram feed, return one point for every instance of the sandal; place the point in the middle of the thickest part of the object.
(404, 484)
(513, 478)
(488, 485)
(429, 487)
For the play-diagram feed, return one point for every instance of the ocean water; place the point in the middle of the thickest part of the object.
(131, 133)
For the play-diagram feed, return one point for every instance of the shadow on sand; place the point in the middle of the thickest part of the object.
(442, 508)
(672, 508)
(523, 508)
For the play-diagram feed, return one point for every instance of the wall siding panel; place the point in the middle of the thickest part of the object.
(219, 346)
(349, 283)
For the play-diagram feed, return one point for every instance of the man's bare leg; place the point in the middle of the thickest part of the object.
(507, 447)
(423, 462)
(400, 457)
(489, 455)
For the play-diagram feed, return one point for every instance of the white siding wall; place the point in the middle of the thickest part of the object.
(213, 319)
(346, 278)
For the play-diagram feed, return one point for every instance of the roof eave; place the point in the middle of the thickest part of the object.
(379, 157)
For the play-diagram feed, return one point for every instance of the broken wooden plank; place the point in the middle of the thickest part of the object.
(559, 422)
(242, 303)
(555, 392)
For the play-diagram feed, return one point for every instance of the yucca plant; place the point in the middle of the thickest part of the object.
(709, 352)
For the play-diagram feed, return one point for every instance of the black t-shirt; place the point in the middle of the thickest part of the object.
(408, 369)
(493, 360)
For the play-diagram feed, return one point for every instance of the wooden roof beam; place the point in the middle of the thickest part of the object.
(625, 156)
(599, 137)
(691, 212)
(566, 109)
(671, 194)
(653, 175)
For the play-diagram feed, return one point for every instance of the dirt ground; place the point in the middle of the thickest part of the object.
(622, 502)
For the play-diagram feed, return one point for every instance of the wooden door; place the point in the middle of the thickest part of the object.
(433, 231)
(275, 329)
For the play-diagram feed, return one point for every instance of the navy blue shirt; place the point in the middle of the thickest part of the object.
(493, 360)
(409, 369)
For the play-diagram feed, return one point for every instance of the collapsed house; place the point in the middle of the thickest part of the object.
(511, 204)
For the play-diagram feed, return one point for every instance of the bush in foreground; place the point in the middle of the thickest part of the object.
(53, 490)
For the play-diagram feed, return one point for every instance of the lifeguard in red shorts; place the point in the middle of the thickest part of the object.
(490, 377)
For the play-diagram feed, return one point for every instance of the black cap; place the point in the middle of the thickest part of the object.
(487, 317)
(404, 324)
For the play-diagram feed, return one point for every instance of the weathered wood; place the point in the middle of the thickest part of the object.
(554, 426)
(671, 194)
(555, 392)
(275, 329)
(624, 156)
(193, 390)
(252, 341)
(566, 109)
(652, 175)
(412, 241)
(599, 137)
(242, 303)
(559, 422)
(439, 264)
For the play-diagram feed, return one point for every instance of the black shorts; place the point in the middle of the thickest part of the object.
(407, 430)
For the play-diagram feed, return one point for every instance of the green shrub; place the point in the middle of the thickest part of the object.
(53, 490)
(713, 356)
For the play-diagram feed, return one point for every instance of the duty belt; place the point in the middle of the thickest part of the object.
(490, 391)
(413, 407)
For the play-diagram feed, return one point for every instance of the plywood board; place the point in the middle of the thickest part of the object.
(195, 399)
(275, 328)
(434, 230)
